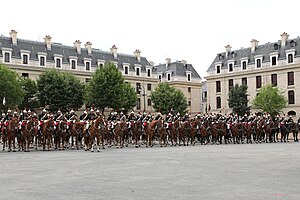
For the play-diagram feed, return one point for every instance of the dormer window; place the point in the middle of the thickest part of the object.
(276, 46)
(220, 56)
(244, 63)
(290, 54)
(273, 59)
(87, 65)
(233, 54)
(137, 71)
(149, 72)
(290, 58)
(168, 77)
(42, 59)
(188, 77)
(218, 69)
(159, 77)
(7, 56)
(58, 62)
(292, 43)
(230, 67)
(25, 57)
(258, 61)
(126, 70)
(73, 64)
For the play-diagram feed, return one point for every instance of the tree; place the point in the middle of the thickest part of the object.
(108, 90)
(11, 89)
(30, 99)
(60, 90)
(238, 99)
(166, 98)
(270, 100)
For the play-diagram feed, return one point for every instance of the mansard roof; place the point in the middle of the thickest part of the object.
(177, 68)
(66, 51)
(261, 50)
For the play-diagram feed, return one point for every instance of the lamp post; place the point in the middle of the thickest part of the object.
(144, 94)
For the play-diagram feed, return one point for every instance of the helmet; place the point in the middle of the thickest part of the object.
(44, 110)
(34, 114)
(121, 113)
(58, 111)
(24, 111)
(92, 110)
(144, 113)
(3, 114)
(8, 111)
(178, 114)
(115, 113)
(29, 111)
(131, 112)
(97, 111)
(85, 112)
(15, 112)
(72, 111)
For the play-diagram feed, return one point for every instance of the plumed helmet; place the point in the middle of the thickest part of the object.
(44, 110)
(85, 112)
(29, 111)
(72, 111)
(9, 111)
(24, 111)
(15, 112)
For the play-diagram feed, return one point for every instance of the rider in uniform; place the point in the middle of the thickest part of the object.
(83, 116)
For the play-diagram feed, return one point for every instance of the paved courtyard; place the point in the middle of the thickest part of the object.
(248, 171)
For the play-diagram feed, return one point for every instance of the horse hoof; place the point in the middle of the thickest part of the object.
(98, 150)
(136, 146)
(14, 150)
(92, 151)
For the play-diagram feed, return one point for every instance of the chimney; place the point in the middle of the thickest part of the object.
(13, 35)
(113, 50)
(184, 62)
(254, 44)
(77, 45)
(88, 46)
(168, 61)
(47, 40)
(137, 54)
(284, 38)
(228, 50)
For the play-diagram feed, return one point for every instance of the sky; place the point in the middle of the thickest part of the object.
(191, 30)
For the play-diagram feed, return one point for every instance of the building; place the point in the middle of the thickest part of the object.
(276, 63)
(31, 58)
(184, 77)
(203, 104)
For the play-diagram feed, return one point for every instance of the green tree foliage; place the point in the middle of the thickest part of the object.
(270, 100)
(166, 98)
(238, 99)
(60, 90)
(10, 88)
(30, 99)
(107, 89)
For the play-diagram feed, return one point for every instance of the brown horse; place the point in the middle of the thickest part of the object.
(174, 132)
(184, 130)
(150, 132)
(60, 137)
(77, 130)
(120, 129)
(27, 129)
(95, 134)
(136, 130)
(9, 134)
(47, 132)
(162, 132)
(204, 133)
(194, 128)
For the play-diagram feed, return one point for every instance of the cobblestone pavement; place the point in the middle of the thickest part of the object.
(242, 172)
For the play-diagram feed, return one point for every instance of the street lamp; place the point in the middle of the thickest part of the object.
(144, 94)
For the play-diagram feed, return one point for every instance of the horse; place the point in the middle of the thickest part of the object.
(150, 132)
(221, 128)
(284, 131)
(184, 130)
(173, 129)
(77, 130)
(47, 132)
(237, 132)
(136, 130)
(294, 127)
(60, 136)
(9, 134)
(194, 129)
(27, 129)
(121, 127)
(204, 132)
(162, 132)
(214, 133)
(95, 134)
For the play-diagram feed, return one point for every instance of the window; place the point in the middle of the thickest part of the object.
(101, 65)
(276, 46)
(25, 75)
(258, 82)
(244, 65)
(87, 80)
(58, 62)
(220, 57)
(230, 67)
(274, 80)
(25, 59)
(159, 77)
(291, 97)
(189, 89)
(190, 103)
(138, 88)
(204, 95)
(137, 71)
(258, 63)
(273, 60)
(88, 66)
(290, 78)
(218, 86)
(230, 83)
(73, 64)
(42, 60)
(189, 77)
(244, 81)
(149, 102)
(293, 43)
(126, 70)
(138, 104)
(169, 77)
(6, 57)
(218, 100)
(148, 86)
(290, 58)
(218, 69)
(148, 72)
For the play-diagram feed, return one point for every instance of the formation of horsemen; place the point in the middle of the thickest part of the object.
(92, 129)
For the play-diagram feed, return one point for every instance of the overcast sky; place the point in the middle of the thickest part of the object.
(180, 29)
